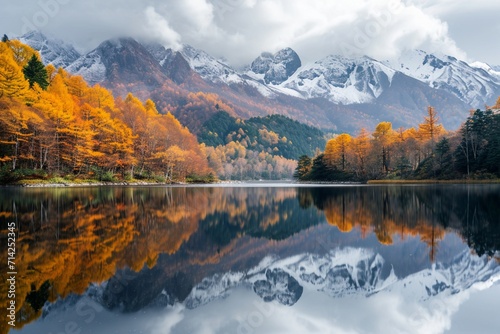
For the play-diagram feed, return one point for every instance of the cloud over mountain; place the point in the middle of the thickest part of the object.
(241, 29)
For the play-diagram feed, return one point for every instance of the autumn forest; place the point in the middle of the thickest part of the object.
(55, 127)
(426, 153)
(53, 123)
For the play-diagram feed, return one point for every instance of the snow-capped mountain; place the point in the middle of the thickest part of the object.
(53, 51)
(340, 80)
(344, 94)
(276, 68)
(90, 67)
(120, 61)
(209, 68)
(476, 84)
(206, 66)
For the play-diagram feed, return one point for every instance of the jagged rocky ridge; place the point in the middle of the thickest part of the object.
(276, 68)
(333, 93)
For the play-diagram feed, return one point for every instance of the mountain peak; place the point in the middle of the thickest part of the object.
(120, 61)
(277, 67)
(119, 43)
(53, 51)
(474, 85)
(34, 35)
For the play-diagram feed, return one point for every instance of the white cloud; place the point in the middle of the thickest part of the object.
(160, 29)
(315, 29)
(240, 30)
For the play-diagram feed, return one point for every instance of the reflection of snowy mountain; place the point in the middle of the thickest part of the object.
(348, 272)
(421, 302)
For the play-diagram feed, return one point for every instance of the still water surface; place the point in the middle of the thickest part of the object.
(255, 259)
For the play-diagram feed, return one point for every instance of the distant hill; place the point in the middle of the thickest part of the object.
(275, 134)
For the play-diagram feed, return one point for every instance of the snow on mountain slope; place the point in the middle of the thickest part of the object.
(476, 84)
(354, 272)
(490, 69)
(90, 67)
(122, 64)
(276, 68)
(53, 51)
(209, 68)
(340, 80)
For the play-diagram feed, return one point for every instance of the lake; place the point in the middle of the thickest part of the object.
(253, 258)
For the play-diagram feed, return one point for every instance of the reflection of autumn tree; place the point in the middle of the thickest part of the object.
(71, 238)
(387, 211)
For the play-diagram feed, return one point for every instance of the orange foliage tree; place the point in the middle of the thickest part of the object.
(71, 128)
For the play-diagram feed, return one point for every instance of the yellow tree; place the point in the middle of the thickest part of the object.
(77, 86)
(22, 53)
(16, 132)
(83, 152)
(112, 142)
(337, 150)
(169, 160)
(361, 148)
(12, 81)
(430, 129)
(99, 97)
(384, 135)
(54, 141)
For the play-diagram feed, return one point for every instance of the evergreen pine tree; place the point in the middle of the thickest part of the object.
(5, 38)
(303, 167)
(35, 71)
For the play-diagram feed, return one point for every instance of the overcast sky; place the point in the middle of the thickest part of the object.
(240, 30)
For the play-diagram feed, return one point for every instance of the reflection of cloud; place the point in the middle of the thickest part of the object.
(166, 322)
(386, 312)
(423, 302)
(389, 311)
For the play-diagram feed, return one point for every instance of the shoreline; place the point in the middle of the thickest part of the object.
(470, 181)
(252, 182)
(85, 184)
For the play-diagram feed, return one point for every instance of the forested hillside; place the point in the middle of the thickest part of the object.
(53, 124)
(275, 134)
(268, 143)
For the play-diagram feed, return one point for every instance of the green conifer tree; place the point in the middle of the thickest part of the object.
(35, 71)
